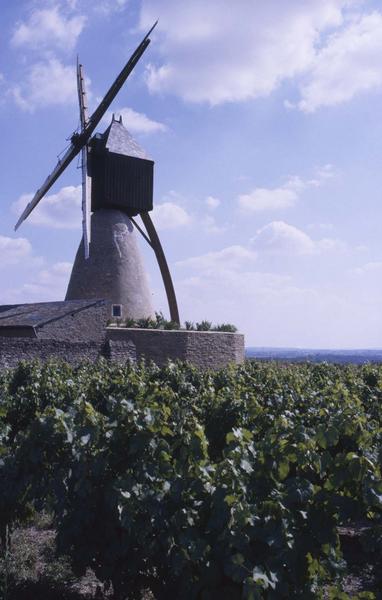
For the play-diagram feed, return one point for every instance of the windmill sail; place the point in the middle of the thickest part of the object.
(59, 168)
(86, 181)
(78, 141)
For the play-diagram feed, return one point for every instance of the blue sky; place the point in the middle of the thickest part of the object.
(264, 121)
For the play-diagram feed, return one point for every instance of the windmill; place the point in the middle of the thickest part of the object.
(117, 185)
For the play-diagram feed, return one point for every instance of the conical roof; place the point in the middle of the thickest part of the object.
(117, 139)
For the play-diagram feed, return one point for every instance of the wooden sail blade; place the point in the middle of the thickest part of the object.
(163, 266)
(116, 86)
(82, 99)
(59, 168)
(86, 181)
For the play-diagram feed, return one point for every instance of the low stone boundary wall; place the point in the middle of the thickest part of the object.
(13, 350)
(206, 349)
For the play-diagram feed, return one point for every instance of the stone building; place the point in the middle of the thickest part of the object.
(77, 331)
(70, 321)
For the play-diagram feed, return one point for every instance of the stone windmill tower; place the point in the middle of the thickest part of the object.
(117, 185)
(122, 186)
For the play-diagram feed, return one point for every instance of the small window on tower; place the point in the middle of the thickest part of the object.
(116, 310)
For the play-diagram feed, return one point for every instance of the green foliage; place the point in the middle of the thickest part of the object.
(147, 323)
(161, 323)
(195, 485)
(227, 327)
(203, 326)
(129, 322)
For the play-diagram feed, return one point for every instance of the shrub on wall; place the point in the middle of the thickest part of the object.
(161, 323)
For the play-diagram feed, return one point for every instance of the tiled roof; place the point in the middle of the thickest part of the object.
(117, 139)
(38, 314)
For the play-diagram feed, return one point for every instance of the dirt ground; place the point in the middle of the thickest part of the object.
(34, 571)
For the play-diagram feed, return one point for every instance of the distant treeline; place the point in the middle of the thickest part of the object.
(309, 355)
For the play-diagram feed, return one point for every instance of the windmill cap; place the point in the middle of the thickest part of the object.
(119, 140)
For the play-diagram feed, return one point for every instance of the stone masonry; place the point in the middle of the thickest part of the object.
(13, 350)
(76, 330)
(207, 350)
(115, 270)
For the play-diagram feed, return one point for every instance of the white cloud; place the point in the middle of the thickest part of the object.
(348, 64)
(220, 52)
(275, 310)
(267, 199)
(232, 257)
(14, 250)
(370, 267)
(47, 27)
(47, 83)
(47, 284)
(136, 122)
(169, 215)
(210, 225)
(60, 211)
(323, 173)
(281, 238)
(321, 226)
(108, 7)
(279, 310)
(172, 213)
(331, 245)
(212, 202)
(282, 197)
(3, 89)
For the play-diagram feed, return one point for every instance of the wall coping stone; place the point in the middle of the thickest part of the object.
(153, 330)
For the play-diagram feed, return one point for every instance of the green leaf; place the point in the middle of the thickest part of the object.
(238, 559)
(246, 466)
(230, 500)
(283, 469)
(327, 436)
(261, 578)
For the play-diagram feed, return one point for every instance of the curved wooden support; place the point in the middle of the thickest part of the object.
(163, 266)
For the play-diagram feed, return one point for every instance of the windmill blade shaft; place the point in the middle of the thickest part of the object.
(86, 181)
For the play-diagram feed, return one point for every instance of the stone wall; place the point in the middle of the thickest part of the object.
(206, 349)
(120, 351)
(209, 350)
(13, 350)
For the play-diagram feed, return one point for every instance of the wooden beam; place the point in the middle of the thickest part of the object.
(163, 266)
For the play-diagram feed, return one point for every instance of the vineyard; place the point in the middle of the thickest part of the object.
(239, 484)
